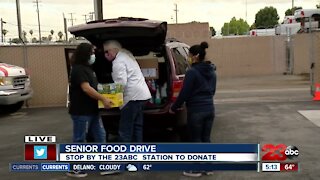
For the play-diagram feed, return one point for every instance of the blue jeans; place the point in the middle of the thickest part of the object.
(88, 124)
(199, 126)
(131, 122)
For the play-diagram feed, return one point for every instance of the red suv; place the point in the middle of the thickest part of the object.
(163, 63)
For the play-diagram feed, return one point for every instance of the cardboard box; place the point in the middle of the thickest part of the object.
(149, 68)
(116, 98)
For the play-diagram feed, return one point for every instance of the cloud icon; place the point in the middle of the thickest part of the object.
(40, 152)
(132, 168)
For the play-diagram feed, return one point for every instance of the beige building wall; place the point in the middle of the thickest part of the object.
(247, 56)
(234, 57)
(47, 67)
(302, 53)
(306, 52)
(316, 69)
(238, 56)
(189, 33)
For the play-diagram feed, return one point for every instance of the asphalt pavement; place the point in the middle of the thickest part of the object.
(248, 110)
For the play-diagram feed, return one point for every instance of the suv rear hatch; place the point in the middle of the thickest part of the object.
(144, 38)
(138, 35)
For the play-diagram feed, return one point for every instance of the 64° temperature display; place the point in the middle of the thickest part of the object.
(280, 167)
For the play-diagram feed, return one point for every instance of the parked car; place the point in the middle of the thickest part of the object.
(163, 63)
(15, 87)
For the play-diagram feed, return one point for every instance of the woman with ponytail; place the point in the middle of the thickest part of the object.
(198, 89)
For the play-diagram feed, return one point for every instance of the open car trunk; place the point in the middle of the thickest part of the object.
(155, 68)
(138, 35)
(145, 39)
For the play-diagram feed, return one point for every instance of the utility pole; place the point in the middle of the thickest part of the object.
(18, 18)
(65, 27)
(98, 11)
(292, 7)
(85, 18)
(2, 22)
(71, 19)
(292, 4)
(246, 11)
(38, 12)
(176, 11)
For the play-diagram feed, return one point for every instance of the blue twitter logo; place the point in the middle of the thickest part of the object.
(40, 152)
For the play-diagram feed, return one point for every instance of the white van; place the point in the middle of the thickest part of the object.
(15, 87)
(262, 32)
(287, 29)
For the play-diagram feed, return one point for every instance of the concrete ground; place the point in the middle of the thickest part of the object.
(248, 110)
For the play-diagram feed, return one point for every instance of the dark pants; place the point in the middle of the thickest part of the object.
(200, 125)
(131, 122)
(91, 125)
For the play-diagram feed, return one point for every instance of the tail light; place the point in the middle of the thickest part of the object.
(302, 19)
(176, 88)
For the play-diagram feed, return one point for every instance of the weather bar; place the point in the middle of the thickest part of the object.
(131, 167)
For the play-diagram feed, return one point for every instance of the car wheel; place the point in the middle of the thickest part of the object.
(7, 109)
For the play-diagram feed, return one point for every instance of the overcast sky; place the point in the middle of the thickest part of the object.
(216, 12)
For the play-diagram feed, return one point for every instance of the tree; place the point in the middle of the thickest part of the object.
(4, 32)
(44, 39)
(16, 41)
(235, 27)
(60, 34)
(50, 37)
(318, 6)
(31, 33)
(290, 12)
(253, 26)
(24, 36)
(266, 18)
(72, 40)
(34, 40)
(213, 31)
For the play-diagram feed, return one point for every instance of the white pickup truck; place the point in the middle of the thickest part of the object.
(15, 87)
(303, 20)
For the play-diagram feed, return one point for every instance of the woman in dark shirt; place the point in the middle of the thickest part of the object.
(84, 99)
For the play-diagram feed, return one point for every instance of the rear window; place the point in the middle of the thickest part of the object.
(180, 60)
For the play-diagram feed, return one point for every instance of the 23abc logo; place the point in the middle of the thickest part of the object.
(279, 152)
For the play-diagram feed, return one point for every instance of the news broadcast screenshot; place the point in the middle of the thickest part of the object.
(160, 89)
(43, 154)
